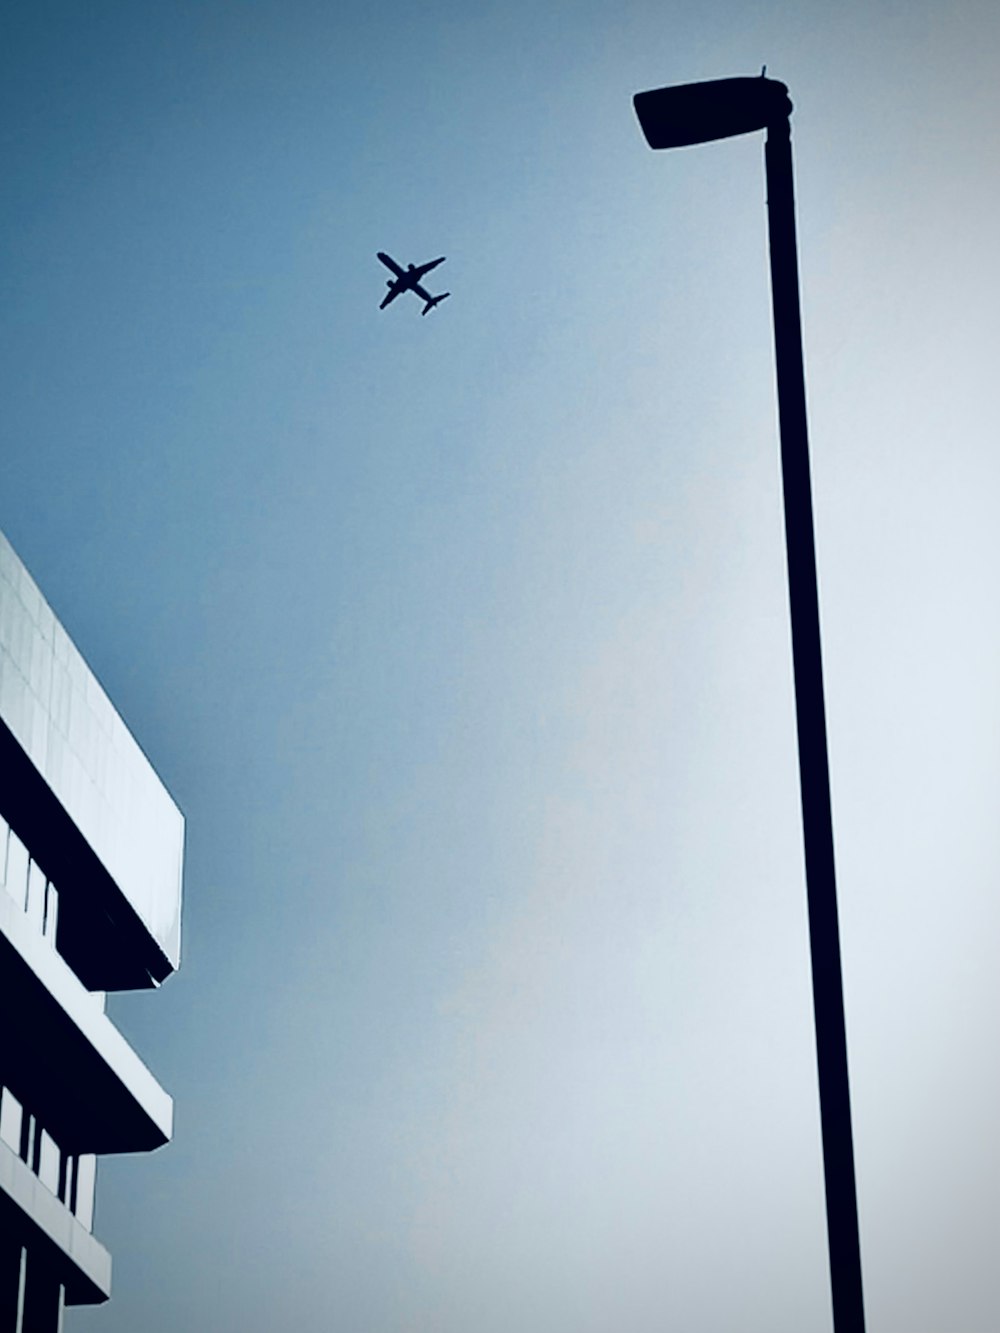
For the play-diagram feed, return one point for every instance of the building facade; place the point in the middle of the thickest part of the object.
(91, 849)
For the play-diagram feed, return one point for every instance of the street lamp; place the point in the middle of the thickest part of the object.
(697, 113)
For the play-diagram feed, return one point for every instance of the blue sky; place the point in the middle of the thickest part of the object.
(462, 642)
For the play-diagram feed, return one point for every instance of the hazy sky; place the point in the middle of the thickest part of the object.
(462, 642)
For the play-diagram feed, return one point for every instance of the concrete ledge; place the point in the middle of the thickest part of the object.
(80, 793)
(112, 1101)
(29, 1213)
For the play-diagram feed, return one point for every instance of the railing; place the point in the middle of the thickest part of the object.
(71, 1177)
(25, 883)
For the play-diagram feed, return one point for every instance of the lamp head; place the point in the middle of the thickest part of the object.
(690, 113)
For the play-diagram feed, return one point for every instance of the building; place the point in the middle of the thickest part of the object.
(91, 848)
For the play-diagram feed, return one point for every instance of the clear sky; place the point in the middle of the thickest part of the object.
(462, 642)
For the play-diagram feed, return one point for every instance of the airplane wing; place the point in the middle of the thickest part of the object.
(390, 263)
(390, 297)
(421, 269)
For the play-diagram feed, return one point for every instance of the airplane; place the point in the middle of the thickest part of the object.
(408, 280)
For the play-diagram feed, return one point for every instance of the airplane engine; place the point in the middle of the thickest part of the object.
(390, 282)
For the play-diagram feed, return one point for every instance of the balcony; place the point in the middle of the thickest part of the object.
(29, 1210)
(66, 1061)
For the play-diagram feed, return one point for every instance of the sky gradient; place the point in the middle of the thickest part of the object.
(462, 643)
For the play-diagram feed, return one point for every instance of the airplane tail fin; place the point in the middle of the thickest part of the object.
(435, 300)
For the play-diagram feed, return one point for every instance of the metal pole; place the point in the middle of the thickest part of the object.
(814, 774)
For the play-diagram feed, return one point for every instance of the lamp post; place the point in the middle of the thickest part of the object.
(697, 113)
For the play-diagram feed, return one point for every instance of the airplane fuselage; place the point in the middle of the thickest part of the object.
(408, 280)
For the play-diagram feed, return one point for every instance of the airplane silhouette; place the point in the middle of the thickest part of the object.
(408, 280)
